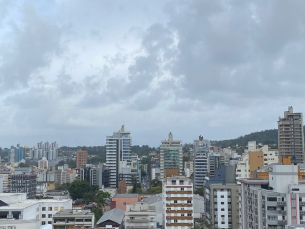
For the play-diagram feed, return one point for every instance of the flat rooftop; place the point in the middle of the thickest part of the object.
(14, 222)
(126, 195)
(28, 203)
(73, 212)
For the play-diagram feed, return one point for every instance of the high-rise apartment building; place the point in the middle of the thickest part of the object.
(118, 148)
(200, 167)
(291, 136)
(221, 199)
(171, 156)
(47, 150)
(178, 197)
(273, 202)
(81, 158)
(16, 154)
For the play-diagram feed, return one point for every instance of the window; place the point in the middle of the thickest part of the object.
(43, 216)
(43, 223)
(55, 208)
(189, 201)
(222, 202)
(175, 221)
(222, 196)
(174, 182)
(182, 208)
(43, 208)
(295, 189)
(182, 189)
(124, 203)
(189, 214)
(175, 201)
(50, 209)
(49, 222)
(132, 218)
(222, 209)
(168, 208)
(181, 182)
(222, 215)
(182, 214)
(87, 220)
(50, 216)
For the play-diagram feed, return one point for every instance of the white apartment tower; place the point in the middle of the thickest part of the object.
(118, 148)
(177, 195)
(171, 155)
(291, 136)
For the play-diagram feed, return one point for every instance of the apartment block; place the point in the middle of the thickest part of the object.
(291, 136)
(221, 199)
(23, 184)
(140, 215)
(177, 195)
(201, 161)
(171, 155)
(81, 158)
(118, 148)
(66, 219)
(273, 202)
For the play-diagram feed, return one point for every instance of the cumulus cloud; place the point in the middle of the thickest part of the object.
(221, 69)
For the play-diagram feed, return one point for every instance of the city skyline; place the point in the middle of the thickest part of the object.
(187, 67)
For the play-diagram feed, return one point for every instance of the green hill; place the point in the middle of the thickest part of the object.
(266, 137)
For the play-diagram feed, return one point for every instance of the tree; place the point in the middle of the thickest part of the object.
(101, 201)
(21, 165)
(154, 190)
(199, 191)
(63, 187)
(78, 188)
(155, 183)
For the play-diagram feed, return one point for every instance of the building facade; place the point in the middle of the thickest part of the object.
(171, 155)
(273, 202)
(201, 161)
(81, 158)
(16, 154)
(23, 184)
(291, 136)
(140, 215)
(118, 148)
(68, 218)
(177, 195)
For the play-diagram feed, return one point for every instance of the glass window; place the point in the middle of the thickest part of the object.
(43, 216)
(43, 208)
(50, 209)
(50, 216)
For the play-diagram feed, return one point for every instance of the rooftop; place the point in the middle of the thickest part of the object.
(115, 215)
(28, 203)
(126, 195)
(14, 222)
(73, 212)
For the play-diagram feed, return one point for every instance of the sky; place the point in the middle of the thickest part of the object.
(75, 71)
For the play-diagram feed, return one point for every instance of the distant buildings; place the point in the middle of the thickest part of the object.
(291, 136)
(94, 175)
(170, 155)
(81, 158)
(47, 150)
(121, 200)
(177, 195)
(16, 154)
(118, 148)
(43, 163)
(254, 159)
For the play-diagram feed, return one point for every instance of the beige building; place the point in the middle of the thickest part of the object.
(171, 156)
(291, 136)
(68, 218)
(140, 215)
(81, 158)
(177, 195)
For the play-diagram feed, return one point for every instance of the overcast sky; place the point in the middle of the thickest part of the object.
(75, 71)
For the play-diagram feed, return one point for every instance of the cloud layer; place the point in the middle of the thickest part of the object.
(75, 73)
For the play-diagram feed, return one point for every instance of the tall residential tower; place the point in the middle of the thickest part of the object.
(170, 155)
(118, 148)
(291, 136)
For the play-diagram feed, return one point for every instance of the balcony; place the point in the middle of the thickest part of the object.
(139, 220)
(282, 222)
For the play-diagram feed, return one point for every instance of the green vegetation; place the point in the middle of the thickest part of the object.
(101, 201)
(78, 188)
(143, 150)
(266, 137)
(22, 165)
(71, 163)
(155, 187)
(63, 187)
(199, 191)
